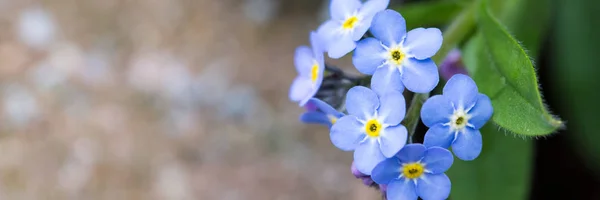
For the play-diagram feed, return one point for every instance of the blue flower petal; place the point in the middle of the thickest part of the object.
(361, 102)
(339, 48)
(372, 7)
(435, 110)
(346, 133)
(340, 9)
(392, 139)
(392, 108)
(316, 87)
(411, 153)
(360, 29)
(439, 136)
(368, 56)
(387, 79)
(366, 14)
(325, 108)
(422, 43)
(313, 117)
(481, 112)
(367, 155)
(437, 160)
(318, 48)
(461, 90)
(467, 145)
(301, 88)
(303, 60)
(386, 171)
(402, 189)
(389, 27)
(329, 32)
(434, 186)
(420, 76)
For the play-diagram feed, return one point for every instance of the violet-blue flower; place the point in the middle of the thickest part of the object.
(350, 20)
(322, 113)
(310, 65)
(455, 117)
(395, 57)
(416, 171)
(372, 127)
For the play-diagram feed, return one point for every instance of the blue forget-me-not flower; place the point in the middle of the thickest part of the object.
(455, 117)
(416, 171)
(372, 127)
(350, 20)
(310, 65)
(395, 57)
(319, 112)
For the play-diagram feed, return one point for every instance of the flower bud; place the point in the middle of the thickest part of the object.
(452, 65)
(366, 179)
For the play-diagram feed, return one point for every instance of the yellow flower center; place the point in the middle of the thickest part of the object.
(372, 128)
(314, 72)
(396, 56)
(350, 22)
(413, 170)
(332, 119)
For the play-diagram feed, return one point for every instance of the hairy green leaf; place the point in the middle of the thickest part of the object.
(516, 97)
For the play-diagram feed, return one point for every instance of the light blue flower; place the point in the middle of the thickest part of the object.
(395, 57)
(319, 112)
(310, 65)
(415, 172)
(350, 20)
(372, 127)
(455, 117)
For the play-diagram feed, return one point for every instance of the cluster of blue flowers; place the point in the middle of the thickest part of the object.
(371, 127)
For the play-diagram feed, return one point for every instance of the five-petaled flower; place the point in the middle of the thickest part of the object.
(350, 20)
(395, 57)
(416, 171)
(319, 112)
(456, 116)
(372, 127)
(310, 65)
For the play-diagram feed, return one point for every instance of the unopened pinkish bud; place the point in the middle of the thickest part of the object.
(452, 65)
(310, 106)
(366, 179)
(383, 190)
(355, 171)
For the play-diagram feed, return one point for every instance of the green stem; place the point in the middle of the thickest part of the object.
(456, 32)
(414, 113)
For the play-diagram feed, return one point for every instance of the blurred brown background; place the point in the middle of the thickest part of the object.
(160, 99)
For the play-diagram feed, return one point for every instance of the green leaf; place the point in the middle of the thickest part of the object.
(476, 59)
(429, 13)
(515, 96)
(502, 171)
